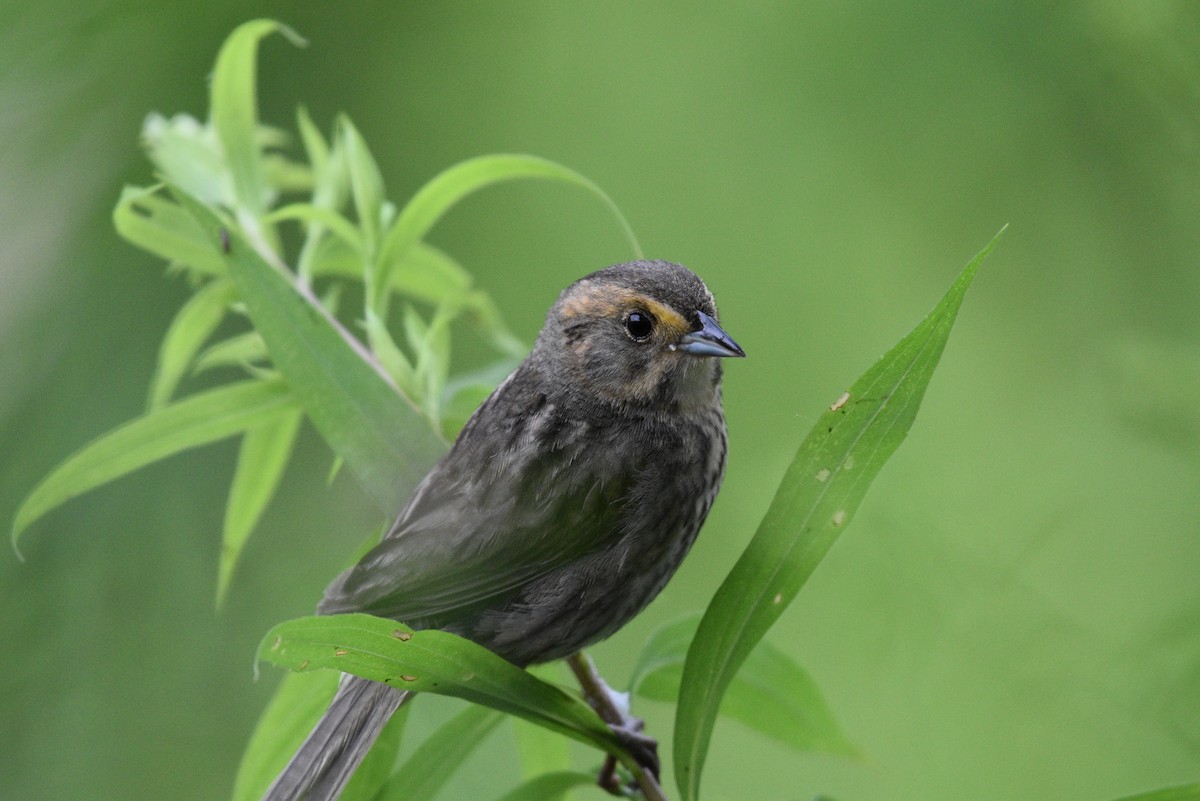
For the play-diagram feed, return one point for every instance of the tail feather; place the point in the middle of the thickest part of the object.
(327, 759)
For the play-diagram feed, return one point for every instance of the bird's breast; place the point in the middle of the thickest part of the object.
(650, 487)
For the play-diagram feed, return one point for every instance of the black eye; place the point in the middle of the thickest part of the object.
(639, 324)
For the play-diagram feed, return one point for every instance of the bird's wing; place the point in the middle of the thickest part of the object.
(468, 542)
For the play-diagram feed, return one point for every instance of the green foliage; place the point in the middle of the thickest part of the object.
(828, 479)
(383, 440)
(382, 403)
(265, 451)
(296, 707)
(540, 750)
(197, 420)
(770, 694)
(431, 765)
(195, 323)
(431, 661)
(816, 500)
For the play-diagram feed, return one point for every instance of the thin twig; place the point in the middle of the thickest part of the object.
(595, 692)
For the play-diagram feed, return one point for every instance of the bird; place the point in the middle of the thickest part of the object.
(565, 504)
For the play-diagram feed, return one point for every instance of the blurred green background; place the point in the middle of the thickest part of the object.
(1015, 613)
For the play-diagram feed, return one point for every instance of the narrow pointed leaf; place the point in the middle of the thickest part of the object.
(187, 153)
(434, 199)
(315, 147)
(432, 764)
(771, 694)
(264, 454)
(234, 109)
(299, 702)
(297, 705)
(160, 226)
(430, 344)
(817, 498)
(432, 661)
(317, 215)
(427, 274)
(197, 420)
(284, 175)
(430, 274)
(540, 750)
(391, 358)
(188, 332)
(433, 358)
(329, 190)
(383, 438)
(241, 350)
(366, 185)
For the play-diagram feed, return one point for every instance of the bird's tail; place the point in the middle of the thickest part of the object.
(320, 769)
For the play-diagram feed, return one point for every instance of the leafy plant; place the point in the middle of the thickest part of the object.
(384, 405)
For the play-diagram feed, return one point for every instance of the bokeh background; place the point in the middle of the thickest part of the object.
(1015, 613)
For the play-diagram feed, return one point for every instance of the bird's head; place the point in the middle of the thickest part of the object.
(638, 334)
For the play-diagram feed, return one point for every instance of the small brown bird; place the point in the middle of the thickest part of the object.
(567, 502)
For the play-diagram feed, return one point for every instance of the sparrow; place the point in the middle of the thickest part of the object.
(567, 501)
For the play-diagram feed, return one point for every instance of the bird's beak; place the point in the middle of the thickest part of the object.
(710, 340)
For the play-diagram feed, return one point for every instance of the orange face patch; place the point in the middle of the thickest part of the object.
(608, 301)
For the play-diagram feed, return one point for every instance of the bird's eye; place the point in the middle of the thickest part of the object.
(639, 324)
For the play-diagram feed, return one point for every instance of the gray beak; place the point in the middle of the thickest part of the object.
(710, 340)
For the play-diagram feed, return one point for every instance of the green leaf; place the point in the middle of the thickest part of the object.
(1183, 792)
(197, 420)
(234, 111)
(299, 702)
(315, 147)
(187, 153)
(541, 751)
(436, 662)
(297, 705)
(816, 500)
(391, 357)
(770, 694)
(264, 454)
(366, 185)
(329, 190)
(434, 199)
(431, 345)
(426, 273)
(384, 440)
(242, 350)
(191, 328)
(433, 763)
(161, 227)
(549, 786)
(285, 176)
(429, 275)
(318, 215)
